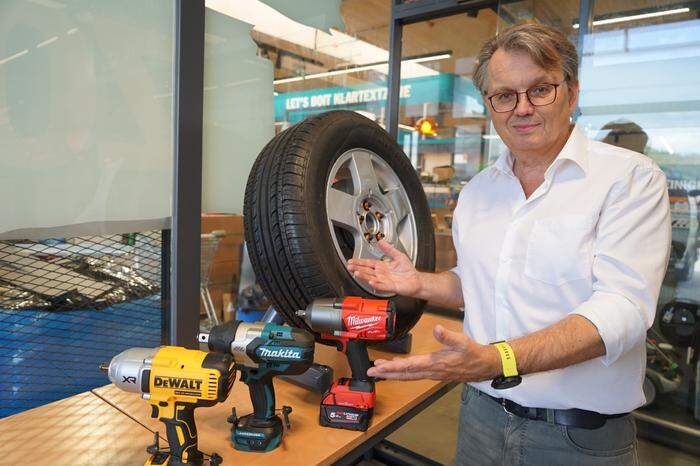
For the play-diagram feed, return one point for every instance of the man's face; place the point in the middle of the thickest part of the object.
(529, 129)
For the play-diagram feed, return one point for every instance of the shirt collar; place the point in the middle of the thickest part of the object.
(503, 164)
(575, 150)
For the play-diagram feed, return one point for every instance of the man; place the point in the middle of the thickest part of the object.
(562, 246)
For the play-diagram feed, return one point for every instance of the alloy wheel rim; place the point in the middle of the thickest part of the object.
(365, 202)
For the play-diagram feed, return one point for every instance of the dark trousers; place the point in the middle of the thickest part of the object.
(488, 435)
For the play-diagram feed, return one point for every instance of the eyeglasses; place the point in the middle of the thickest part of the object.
(539, 95)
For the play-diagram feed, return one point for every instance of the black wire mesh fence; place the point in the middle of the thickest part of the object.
(68, 304)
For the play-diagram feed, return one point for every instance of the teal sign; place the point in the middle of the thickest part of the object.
(444, 87)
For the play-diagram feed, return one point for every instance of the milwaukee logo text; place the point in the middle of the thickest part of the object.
(354, 321)
(280, 353)
(176, 382)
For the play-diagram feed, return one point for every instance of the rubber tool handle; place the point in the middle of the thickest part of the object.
(358, 358)
(262, 395)
(182, 435)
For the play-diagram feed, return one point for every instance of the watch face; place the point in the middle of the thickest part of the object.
(501, 382)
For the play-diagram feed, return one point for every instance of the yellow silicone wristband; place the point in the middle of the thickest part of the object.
(510, 368)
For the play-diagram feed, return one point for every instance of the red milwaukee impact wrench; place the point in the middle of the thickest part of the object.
(349, 403)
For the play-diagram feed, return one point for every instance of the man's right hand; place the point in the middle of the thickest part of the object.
(395, 276)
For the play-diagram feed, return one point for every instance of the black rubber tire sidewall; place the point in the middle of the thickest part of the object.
(319, 141)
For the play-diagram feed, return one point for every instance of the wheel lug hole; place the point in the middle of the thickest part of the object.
(379, 236)
(366, 205)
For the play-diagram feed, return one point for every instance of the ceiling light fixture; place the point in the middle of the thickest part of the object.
(356, 69)
(621, 19)
(47, 42)
(12, 57)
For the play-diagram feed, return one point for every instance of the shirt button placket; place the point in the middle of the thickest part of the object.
(501, 307)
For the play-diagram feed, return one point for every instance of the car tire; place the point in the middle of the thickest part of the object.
(296, 249)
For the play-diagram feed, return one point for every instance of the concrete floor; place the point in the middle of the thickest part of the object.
(433, 433)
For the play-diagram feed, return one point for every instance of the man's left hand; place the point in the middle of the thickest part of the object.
(460, 359)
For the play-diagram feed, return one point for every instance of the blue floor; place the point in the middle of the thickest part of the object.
(46, 356)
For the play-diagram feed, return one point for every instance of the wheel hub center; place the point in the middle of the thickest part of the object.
(371, 224)
(373, 219)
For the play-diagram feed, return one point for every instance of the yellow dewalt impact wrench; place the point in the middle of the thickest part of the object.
(174, 381)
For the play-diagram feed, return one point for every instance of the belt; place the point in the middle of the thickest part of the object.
(580, 418)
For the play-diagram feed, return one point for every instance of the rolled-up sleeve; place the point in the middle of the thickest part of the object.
(631, 251)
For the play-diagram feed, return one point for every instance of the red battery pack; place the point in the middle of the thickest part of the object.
(345, 406)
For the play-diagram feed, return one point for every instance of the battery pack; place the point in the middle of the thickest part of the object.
(348, 405)
(258, 435)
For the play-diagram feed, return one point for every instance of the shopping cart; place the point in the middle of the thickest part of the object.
(209, 245)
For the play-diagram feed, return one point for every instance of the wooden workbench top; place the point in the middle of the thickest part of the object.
(90, 423)
(80, 430)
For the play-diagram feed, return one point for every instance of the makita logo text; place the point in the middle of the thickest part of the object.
(243, 433)
(354, 321)
(282, 353)
(175, 382)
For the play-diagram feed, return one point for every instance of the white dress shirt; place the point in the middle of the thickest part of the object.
(594, 240)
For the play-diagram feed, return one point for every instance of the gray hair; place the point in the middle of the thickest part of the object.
(547, 46)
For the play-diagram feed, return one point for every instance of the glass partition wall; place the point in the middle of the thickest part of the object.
(639, 74)
(86, 171)
(640, 71)
(267, 65)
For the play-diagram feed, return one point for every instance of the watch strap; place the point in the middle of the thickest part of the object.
(510, 367)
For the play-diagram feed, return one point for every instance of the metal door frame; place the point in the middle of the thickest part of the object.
(415, 12)
(423, 10)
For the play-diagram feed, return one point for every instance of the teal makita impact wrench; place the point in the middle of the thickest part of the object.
(261, 351)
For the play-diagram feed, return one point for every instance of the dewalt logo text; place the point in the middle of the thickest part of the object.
(176, 382)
